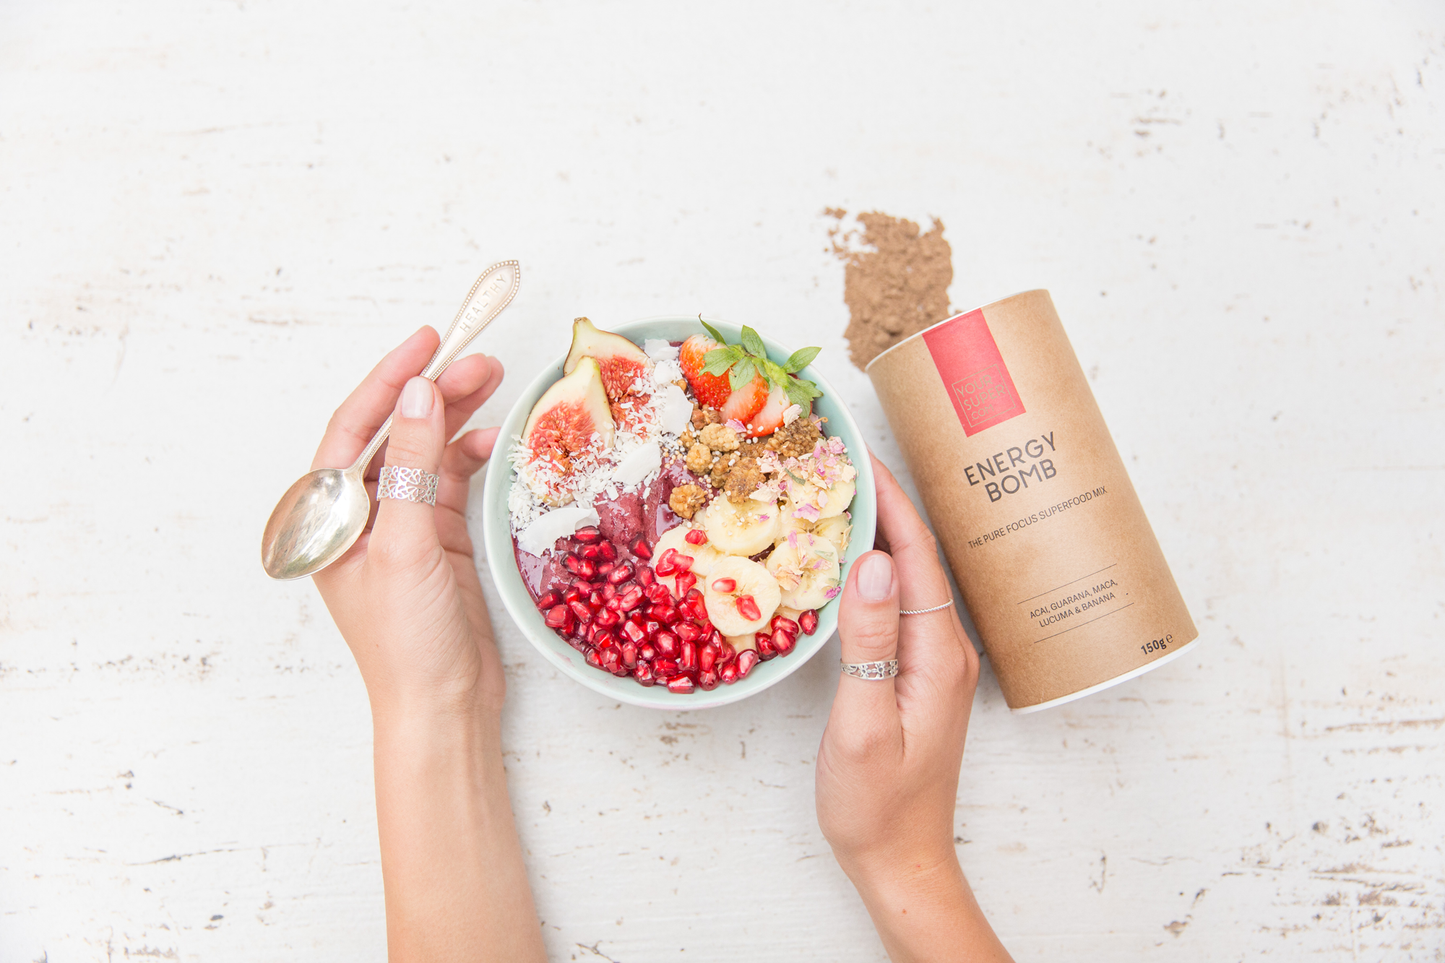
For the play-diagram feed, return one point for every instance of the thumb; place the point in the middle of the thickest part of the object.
(868, 631)
(417, 438)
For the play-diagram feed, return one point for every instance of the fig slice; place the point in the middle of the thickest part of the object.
(568, 414)
(620, 360)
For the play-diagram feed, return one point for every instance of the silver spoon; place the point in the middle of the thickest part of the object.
(321, 515)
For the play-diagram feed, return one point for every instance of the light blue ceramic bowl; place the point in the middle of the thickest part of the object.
(497, 537)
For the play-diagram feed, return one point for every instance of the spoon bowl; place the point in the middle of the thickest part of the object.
(315, 522)
(325, 511)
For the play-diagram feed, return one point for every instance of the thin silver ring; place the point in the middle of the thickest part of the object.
(876, 671)
(407, 485)
(922, 611)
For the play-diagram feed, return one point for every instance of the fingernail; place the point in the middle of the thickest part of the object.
(875, 577)
(416, 398)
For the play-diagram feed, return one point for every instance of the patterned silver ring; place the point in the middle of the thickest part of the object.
(922, 611)
(407, 485)
(871, 670)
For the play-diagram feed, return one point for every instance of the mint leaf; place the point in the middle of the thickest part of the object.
(742, 374)
(711, 331)
(801, 358)
(753, 343)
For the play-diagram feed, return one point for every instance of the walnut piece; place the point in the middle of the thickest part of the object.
(742, 480)
(687, 500)
(796, 440)
(719, 438)
(699, 459)
(702, 417)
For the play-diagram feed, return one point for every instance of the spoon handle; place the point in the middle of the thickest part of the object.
(493, 291)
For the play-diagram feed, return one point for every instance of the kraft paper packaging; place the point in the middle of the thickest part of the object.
(1030, 500)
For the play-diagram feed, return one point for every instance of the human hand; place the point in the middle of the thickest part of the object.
(888, 767)
(406, 596)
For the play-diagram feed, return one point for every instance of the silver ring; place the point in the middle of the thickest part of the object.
(922, 611)
(871, 670)
(407, 485)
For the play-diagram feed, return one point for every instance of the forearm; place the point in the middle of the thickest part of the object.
(456, 885)
(927, 914)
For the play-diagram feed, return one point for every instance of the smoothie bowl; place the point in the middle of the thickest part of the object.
(672, 509)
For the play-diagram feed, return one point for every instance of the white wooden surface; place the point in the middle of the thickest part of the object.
(215, 215)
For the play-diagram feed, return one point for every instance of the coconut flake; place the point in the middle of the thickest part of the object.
(676, 409)
(545, 529)
(660, 349)
(642, 462)
(792, 413)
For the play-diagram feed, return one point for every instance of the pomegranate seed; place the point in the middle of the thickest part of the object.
(584, 587)
(609, 592)
(666, 614)
(783, 642)
(683, 562)
(726, 653)
(579, 608)
(747, 658)
(708, 681)
(729, 673)
(696, 537)
(621, 572)
(590, 552)
(590, 633)
(645, 576)
(748, 608)
(657, 593)
(786, 624)
(647, 651)
(560, 617)
(765, 649)
(688, 659)
(593, 659)
(605, 569)
(685, 582)
(572, 594)
(595, 601)
(633, 631)
(630, 599)
(609, 551)
(641, 549)
(706, 657)
(724, 585)
(715, 637)
(587, 534)
(573, 564)
(643, 674)
(687, 631)
(579, 644)
(610, 657)
(607, 618)
(604, 639)
(553, 597)
(666, 644)
(679, 683)
(629, 654)
(667, 564)
(589, 569)
(698, 604)
(652, 627)
(809, 621)
(663, 668)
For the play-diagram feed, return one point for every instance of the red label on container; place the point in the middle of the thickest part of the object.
(978, 382)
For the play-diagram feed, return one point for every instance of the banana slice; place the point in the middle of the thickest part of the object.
(837, 529)
(741, 529)
(806, 569)
(831, 501)
(748, 640)
(741, 595)
(704, 556)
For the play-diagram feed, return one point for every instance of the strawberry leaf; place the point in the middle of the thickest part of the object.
(742, 374)
(801, 358)
(711, 331)
(753, 343)
(718, 360)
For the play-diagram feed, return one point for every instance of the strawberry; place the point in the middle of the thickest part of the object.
(747, 401)
(712, 390)
(742, 381)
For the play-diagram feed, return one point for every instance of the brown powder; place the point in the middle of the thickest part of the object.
(895, 290)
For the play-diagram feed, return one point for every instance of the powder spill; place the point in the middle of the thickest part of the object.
(895, 281)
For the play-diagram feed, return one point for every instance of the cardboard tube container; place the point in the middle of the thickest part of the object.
(1031, 503)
